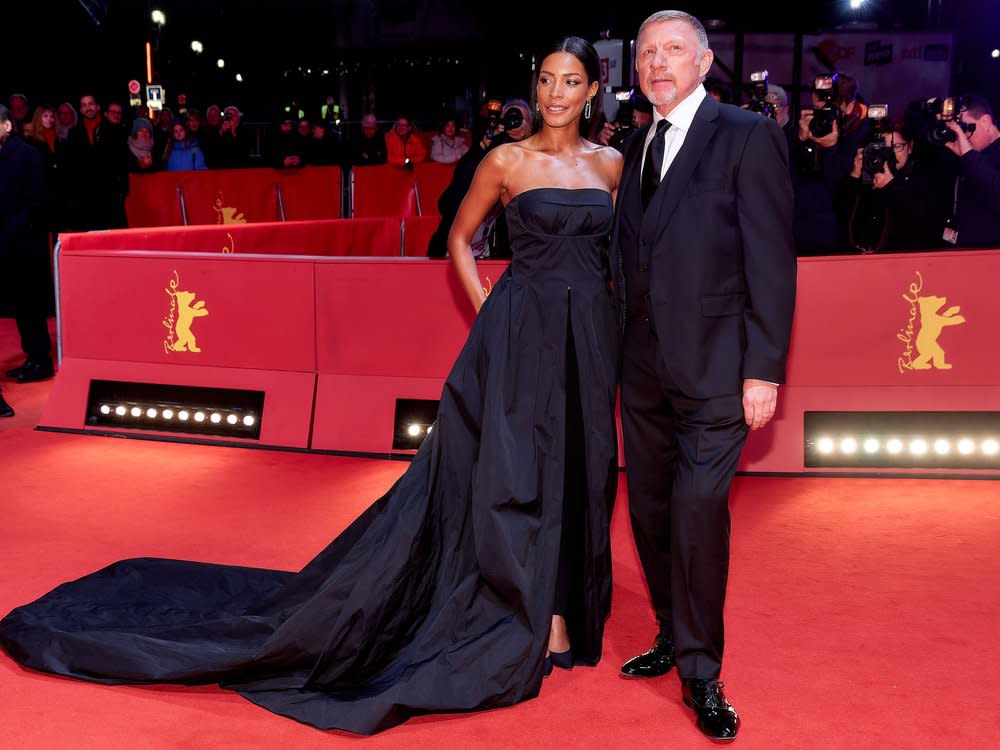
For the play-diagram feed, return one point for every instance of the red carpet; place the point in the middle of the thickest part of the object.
(862, 613)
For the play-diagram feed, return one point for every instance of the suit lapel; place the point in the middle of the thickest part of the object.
(667, 196)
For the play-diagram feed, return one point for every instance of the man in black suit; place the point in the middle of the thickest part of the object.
(706, 269)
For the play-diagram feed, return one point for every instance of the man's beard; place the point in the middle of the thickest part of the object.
(662, 98)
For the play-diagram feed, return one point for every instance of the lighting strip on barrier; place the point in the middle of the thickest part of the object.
(166, 408)
(930, 440)
(413, 422)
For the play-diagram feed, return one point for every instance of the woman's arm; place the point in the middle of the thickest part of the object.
(487, 186)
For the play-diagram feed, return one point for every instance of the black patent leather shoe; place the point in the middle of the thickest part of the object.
(716, 717)
(15, 371)
(5, 408)
(653, 663)
(32, 371)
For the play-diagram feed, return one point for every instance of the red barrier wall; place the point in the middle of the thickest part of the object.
(188, 319)
(431, 179)
(386, 190)
(382, 190)
(871, 333)
(864, 326)
(417, 231)
(233, 196)
(340, 237)
(385, 330)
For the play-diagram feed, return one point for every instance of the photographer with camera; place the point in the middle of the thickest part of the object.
(777, 97)
(511, 121)
(770, 100)
(976, 142)
(888, 201)
(633, 114)
(759, 102)
(829, 135)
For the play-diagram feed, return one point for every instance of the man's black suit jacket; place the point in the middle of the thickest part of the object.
(717, 237)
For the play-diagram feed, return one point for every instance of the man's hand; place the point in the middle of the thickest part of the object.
(961, 145)
(759, 401)
(805, 117)
(883, 178)
(830, 139)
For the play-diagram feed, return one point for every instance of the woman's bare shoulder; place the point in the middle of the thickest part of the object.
(509, 152)
(609, 161)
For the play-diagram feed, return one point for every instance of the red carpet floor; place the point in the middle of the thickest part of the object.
(863, 613)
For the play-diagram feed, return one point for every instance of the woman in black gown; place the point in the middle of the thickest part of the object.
(449, 591)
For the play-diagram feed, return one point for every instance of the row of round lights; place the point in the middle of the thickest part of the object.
(916, 446)
(181, 415)
(414, 429)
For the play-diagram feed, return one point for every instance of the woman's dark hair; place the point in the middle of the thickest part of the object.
(586, 53)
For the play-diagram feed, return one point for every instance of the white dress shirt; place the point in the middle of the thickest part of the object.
(680, 119)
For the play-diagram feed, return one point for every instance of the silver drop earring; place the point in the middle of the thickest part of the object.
(586, 111)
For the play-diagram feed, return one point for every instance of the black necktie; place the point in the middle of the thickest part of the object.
(653, 163)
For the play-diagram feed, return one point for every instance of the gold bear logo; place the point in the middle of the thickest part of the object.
(922, 350)
(931, 324)
(183, 311)
(228, 214)
(186, 313)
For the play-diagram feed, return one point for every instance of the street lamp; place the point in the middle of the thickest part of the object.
(159, 18)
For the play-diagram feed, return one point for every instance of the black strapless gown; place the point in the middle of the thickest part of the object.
(439, 597)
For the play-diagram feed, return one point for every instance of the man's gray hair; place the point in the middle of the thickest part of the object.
(679, 15)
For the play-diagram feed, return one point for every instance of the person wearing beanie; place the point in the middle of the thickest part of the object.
(142, 156)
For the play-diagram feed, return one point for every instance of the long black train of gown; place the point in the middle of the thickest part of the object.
(439, 597)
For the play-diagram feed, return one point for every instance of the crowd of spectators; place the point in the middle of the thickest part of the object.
(865, 181)
(937, 186)
(92, 148)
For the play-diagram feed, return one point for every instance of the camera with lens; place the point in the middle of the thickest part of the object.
(758, 96)
(495, 117)
(827, 113)
(622, 132)
(877, 153)
(941, 110)
(512, 119)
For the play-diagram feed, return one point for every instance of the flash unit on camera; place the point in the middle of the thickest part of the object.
(877, 111)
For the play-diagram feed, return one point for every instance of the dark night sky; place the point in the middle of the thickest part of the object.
(418, 55)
